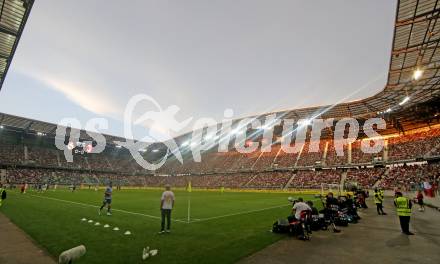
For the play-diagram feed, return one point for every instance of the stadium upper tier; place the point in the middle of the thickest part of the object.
(409, 99)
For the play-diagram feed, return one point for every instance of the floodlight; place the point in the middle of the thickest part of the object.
(406, 99)
(417, 74)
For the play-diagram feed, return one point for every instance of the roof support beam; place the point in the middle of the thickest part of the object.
(419, 18)
(26, 129)
(8, 31)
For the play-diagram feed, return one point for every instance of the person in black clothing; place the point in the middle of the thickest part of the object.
(314, 210)
(331, 210)
(352, 209)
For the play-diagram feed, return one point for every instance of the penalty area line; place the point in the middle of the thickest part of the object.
(95, 206)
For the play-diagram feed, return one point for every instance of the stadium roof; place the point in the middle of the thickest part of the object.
(34, 126)
(415, 46)
(13, 16)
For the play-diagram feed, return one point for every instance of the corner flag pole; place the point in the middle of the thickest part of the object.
(189, 209)
(189, 201)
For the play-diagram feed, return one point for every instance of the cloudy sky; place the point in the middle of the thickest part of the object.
(87, 58)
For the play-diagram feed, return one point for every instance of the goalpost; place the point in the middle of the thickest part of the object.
(336, 189)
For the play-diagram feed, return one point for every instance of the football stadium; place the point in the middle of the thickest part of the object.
(353, 181)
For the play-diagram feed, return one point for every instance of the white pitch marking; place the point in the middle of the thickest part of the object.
(157, 217)
(241, 213)
(246, 212)
(116, 210)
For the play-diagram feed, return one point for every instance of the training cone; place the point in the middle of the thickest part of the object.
(84, 219)
(145, 253)
(106, 226)
(127, 233)
(90, 221)
(97, 224)
(116, 229)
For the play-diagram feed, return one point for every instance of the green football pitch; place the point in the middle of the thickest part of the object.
(223, 227)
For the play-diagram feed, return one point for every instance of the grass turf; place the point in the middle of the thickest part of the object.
(223, 228)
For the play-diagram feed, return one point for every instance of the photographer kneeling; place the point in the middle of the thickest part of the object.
(299, 206)
(331, 210)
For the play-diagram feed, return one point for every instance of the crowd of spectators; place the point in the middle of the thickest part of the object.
(415, 145)
(411, 177)
(11, 153)
(229, 169)
(309, 179)
(364, 178)
(404, 147)
(332, 158)
(43, 156)
(403, 177)
(270, 180)
(359, 156)
(308, 158)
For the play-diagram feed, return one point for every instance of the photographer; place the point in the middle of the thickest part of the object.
(331, 210)
(352, 209)
(314, 209)
(299, 206)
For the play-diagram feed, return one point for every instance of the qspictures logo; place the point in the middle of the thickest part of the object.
(207, 133)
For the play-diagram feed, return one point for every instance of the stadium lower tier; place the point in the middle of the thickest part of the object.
(403, 177)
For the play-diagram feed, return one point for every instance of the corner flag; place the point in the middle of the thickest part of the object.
(189, 189)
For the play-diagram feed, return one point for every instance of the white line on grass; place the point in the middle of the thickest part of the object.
(246, 212)
(241, 213)
(176, 220)
(116, 210)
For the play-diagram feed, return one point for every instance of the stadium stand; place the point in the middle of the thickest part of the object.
(410, 107)
(33, 164)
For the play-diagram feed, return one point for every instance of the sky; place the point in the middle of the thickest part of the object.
(85, 59)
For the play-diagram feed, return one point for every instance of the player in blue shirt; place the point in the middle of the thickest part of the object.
(107, 199)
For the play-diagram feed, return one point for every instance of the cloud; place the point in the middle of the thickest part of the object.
(195, 56)
(84, 96)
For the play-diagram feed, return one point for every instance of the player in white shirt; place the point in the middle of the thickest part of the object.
(166, 206)
(299, 207)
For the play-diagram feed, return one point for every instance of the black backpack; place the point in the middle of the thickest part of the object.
(3, 194)
(281, 226)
